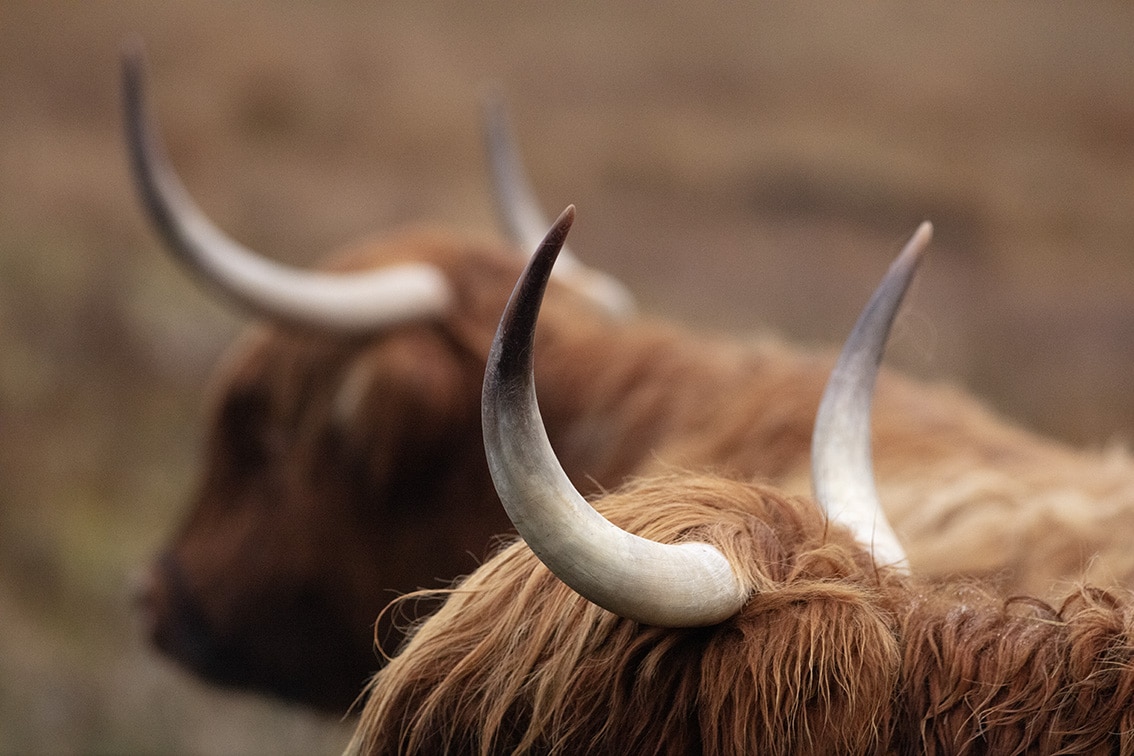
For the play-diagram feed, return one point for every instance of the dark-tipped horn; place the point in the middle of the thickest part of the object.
(355, 302)
(670, 585)
(841, 468)
(523, 220)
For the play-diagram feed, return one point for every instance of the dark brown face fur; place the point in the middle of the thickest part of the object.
(338, 474)
(309, 521)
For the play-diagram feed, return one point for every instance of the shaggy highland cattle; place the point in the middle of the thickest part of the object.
(343, 441)
(693, 614)
(344, 463)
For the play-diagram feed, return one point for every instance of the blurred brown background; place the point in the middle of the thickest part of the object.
(739, 167)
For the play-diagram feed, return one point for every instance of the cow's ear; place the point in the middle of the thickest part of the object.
(407, 401)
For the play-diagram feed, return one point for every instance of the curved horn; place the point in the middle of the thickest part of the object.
(841, 468)
(669, 585)
(524, 222)
(355, 302)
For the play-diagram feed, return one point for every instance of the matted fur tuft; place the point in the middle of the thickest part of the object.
(516, 661)
(985, 675)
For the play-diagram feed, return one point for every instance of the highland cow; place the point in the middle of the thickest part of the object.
(695, 614)
(343, 441)
(344, 461)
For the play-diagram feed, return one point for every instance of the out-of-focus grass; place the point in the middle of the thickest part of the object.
(99, 437)
(738, 167)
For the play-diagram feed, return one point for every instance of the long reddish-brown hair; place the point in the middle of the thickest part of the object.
(515, 660)
(830, 654)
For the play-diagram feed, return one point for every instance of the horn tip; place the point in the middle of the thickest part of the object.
(132, 52)
(915, 248)
(554, 240)
(924, 234)
(557, 234)
(921, 237)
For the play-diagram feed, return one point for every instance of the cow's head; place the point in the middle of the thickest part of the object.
(344, 463)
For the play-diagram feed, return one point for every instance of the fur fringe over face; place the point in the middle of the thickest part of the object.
(829, 655)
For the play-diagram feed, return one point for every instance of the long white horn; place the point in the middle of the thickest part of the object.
(354, 302)
(524, 222)
(669, 585)
(841, 468)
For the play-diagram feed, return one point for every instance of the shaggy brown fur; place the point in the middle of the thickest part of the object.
(985, 675)
(830, 655)
(340, 472)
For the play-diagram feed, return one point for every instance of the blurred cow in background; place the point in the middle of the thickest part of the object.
(344, 460)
